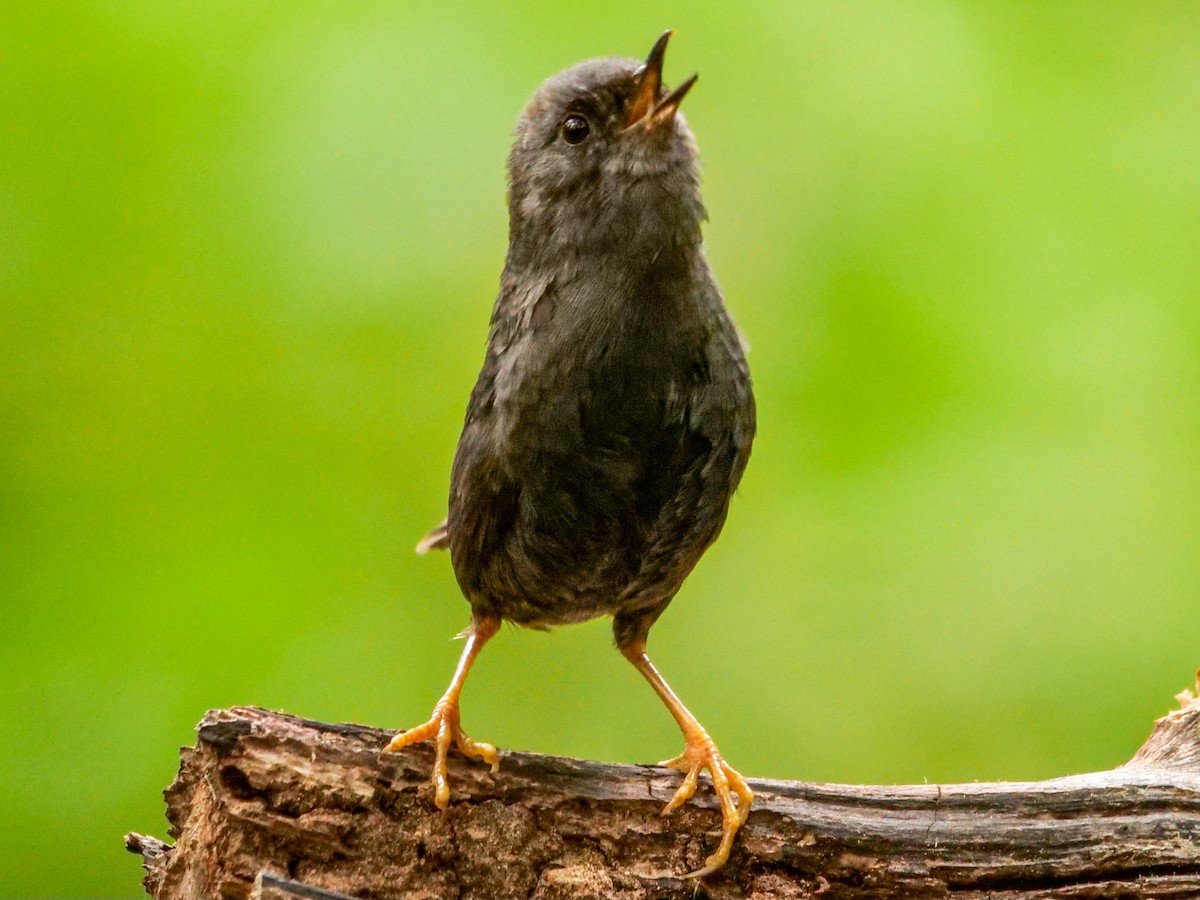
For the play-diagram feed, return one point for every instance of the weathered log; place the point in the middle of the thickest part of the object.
(271, 806)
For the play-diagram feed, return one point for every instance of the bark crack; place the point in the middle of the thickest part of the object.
(300, 800)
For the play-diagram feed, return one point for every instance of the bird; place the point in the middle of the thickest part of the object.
(613, 416)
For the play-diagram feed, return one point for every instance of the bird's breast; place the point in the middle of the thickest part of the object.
(595, 442)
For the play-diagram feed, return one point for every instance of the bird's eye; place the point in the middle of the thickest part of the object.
(575, 129)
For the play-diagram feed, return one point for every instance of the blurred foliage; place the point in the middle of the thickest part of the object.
(247, 256)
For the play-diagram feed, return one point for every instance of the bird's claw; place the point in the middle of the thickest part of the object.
(444, 728)
(731, 789)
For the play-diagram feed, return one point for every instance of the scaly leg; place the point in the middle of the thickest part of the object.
(699, 752)
(443, 726)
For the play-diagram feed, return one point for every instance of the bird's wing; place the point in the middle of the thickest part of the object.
(438, 539)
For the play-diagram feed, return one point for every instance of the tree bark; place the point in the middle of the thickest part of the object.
(268, 806)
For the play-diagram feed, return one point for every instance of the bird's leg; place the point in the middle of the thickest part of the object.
(443, 726)
(699, 752)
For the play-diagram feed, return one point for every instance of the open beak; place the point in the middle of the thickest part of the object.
(646, 106)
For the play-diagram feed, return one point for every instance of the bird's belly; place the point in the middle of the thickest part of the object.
(574, 547)
(595, 492)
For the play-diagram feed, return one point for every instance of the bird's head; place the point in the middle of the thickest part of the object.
(602, 155)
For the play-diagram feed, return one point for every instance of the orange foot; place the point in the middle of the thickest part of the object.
(701, 753)
(444, 728)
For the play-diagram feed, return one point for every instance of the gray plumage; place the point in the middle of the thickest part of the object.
(613, 415)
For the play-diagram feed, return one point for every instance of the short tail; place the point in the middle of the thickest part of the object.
(438, 539)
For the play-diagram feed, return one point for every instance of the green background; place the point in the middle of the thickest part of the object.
(247, 257)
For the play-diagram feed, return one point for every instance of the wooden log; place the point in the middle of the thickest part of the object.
(269, 806)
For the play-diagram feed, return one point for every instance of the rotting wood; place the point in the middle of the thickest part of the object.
(313, 809)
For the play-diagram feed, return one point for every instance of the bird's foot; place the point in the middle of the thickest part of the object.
(443, 727)
(700, 752)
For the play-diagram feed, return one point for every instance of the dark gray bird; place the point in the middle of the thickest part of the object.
(613, 416)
